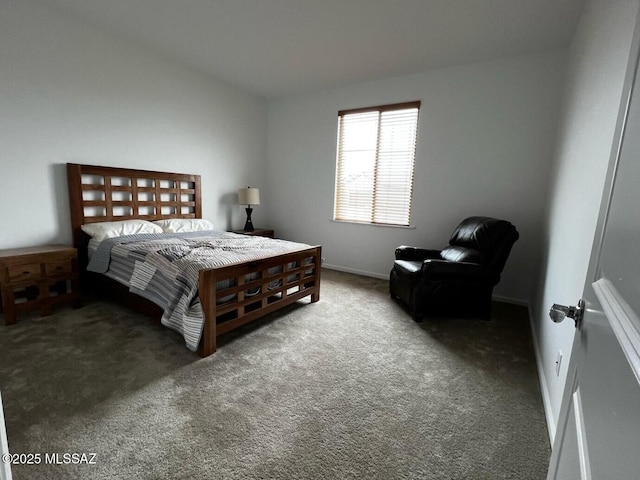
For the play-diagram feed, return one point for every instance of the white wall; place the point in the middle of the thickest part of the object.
(597, 63)
(485, 145)
(69, 93)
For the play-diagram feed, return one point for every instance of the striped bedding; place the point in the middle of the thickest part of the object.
(164, 268)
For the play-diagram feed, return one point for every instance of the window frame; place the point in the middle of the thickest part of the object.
(380, 109)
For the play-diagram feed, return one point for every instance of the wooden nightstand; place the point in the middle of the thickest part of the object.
(260, 232)
(43, 275)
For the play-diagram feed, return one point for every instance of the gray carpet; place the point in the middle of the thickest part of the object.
(349, 387)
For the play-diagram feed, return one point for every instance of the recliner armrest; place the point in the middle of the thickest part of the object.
(433, 269)
(404, 252)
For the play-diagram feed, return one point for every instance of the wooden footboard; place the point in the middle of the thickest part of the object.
(276, 282)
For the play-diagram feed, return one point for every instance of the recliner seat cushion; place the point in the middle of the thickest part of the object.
(462, 254)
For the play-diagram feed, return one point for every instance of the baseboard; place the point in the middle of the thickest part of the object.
(5, 467)
(542, 379)
(513, 301)
(366, 273)
(355, 271)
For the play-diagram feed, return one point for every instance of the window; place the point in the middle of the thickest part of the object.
(374, 165)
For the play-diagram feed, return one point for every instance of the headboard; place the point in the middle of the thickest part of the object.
(103, 194)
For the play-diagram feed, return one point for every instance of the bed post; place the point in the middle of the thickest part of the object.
(74, 182)
(316, 275)
(206, 288)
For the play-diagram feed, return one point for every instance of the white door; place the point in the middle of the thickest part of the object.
(598, 434)
(5, 466)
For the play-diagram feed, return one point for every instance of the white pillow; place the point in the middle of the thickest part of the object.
(180, 225)
(102, 230)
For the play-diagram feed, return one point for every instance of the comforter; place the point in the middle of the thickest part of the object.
(164, 268)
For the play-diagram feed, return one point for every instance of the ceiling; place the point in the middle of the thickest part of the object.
(277, 48)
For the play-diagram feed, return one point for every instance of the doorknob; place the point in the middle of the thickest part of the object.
(559, 312)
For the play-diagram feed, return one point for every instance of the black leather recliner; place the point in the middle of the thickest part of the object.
(459, 279)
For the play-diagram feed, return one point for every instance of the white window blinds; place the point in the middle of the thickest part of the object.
(375, 159)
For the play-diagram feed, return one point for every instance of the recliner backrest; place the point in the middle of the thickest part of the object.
(487, 239)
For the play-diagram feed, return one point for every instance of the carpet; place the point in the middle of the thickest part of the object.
(349, 387)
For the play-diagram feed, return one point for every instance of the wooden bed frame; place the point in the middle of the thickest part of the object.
(101, 194)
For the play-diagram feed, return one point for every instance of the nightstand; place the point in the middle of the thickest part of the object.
(37, 277)
(260, 232)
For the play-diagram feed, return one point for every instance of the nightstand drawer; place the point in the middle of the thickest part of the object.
(58, 267)
(28, 271)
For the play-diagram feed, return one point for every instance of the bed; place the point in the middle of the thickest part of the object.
(229, 296)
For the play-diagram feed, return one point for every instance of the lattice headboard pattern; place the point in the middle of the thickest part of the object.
(102, 194)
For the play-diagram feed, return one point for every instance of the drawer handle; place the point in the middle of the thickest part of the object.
(26, 272)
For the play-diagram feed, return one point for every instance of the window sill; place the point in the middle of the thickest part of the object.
(367, 224)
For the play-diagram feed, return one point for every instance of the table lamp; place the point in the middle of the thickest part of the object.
(248, 196)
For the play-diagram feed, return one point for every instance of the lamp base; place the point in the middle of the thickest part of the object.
(248, 226)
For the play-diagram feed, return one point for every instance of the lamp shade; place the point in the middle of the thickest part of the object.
(249, 196)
